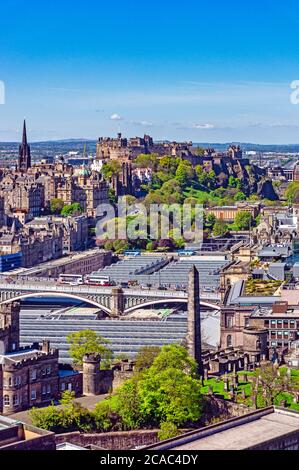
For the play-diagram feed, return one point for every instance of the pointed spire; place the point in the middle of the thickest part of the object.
(24, 140)
(24, 152)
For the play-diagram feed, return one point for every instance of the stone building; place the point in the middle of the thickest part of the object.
(277, 227)
(35, 247)
(22, 193)
(228, 213)
(237, 331)
(74, 230)
(96, 381)
(30, 377)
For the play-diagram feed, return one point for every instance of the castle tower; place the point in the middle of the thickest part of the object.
(24, 152)
(91, 374)
(10, 321)
(194, 320)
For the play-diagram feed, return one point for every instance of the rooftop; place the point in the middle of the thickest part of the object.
(21, 355)
(246, 432)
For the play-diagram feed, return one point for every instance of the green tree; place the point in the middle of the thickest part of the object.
(147, 161)
(184, 173)
(240, 196)
(292, 192)
(220, 228)
(210, 220)
(169, 395)
(111, 168)
(67, 398)
(174, 356)
(243, 220)
(112, 196)
(146, 356)
(168, 165)
(56, 205)
(72, 209)
(49, 418)
(271, 381)
(234, 182)
(104, 415)
(128, 405)
(168, 430)
(88, 342)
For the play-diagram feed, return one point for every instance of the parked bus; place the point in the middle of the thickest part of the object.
(97, 280)
(71, 279)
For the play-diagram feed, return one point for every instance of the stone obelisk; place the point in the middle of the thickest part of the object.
(194, 320)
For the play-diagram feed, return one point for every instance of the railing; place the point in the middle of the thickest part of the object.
(49, 287)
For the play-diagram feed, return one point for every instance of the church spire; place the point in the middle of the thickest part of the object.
(24, 152)
(24, 140)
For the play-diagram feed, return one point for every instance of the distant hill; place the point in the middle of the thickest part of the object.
(78, 144)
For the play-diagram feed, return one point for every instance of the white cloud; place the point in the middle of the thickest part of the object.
(142, 123)
(116, 117)
(203, 126)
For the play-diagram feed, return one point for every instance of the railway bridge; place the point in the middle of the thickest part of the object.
(114, 301)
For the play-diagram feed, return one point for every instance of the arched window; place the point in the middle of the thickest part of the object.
(229, 341)
(6, 400)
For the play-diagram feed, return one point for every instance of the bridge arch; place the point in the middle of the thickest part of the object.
(171, 300)
(57, 294)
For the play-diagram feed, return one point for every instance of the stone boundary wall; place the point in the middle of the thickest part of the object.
(126, 440)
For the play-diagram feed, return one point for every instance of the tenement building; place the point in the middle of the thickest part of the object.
(31, 377)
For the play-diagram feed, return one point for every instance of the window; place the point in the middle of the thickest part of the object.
(63, 387)
(10, 381)
(17, 381)
(229, 321)
(229, 341)
(6, 400)
(33, 374)
(48, 370)
(15, 400)
(44, 390)
(44, 371)
(33, 394)
(49, 389)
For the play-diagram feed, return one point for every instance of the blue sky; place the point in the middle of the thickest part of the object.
(207, 71)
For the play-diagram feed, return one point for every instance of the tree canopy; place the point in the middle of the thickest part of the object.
(88, 342)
